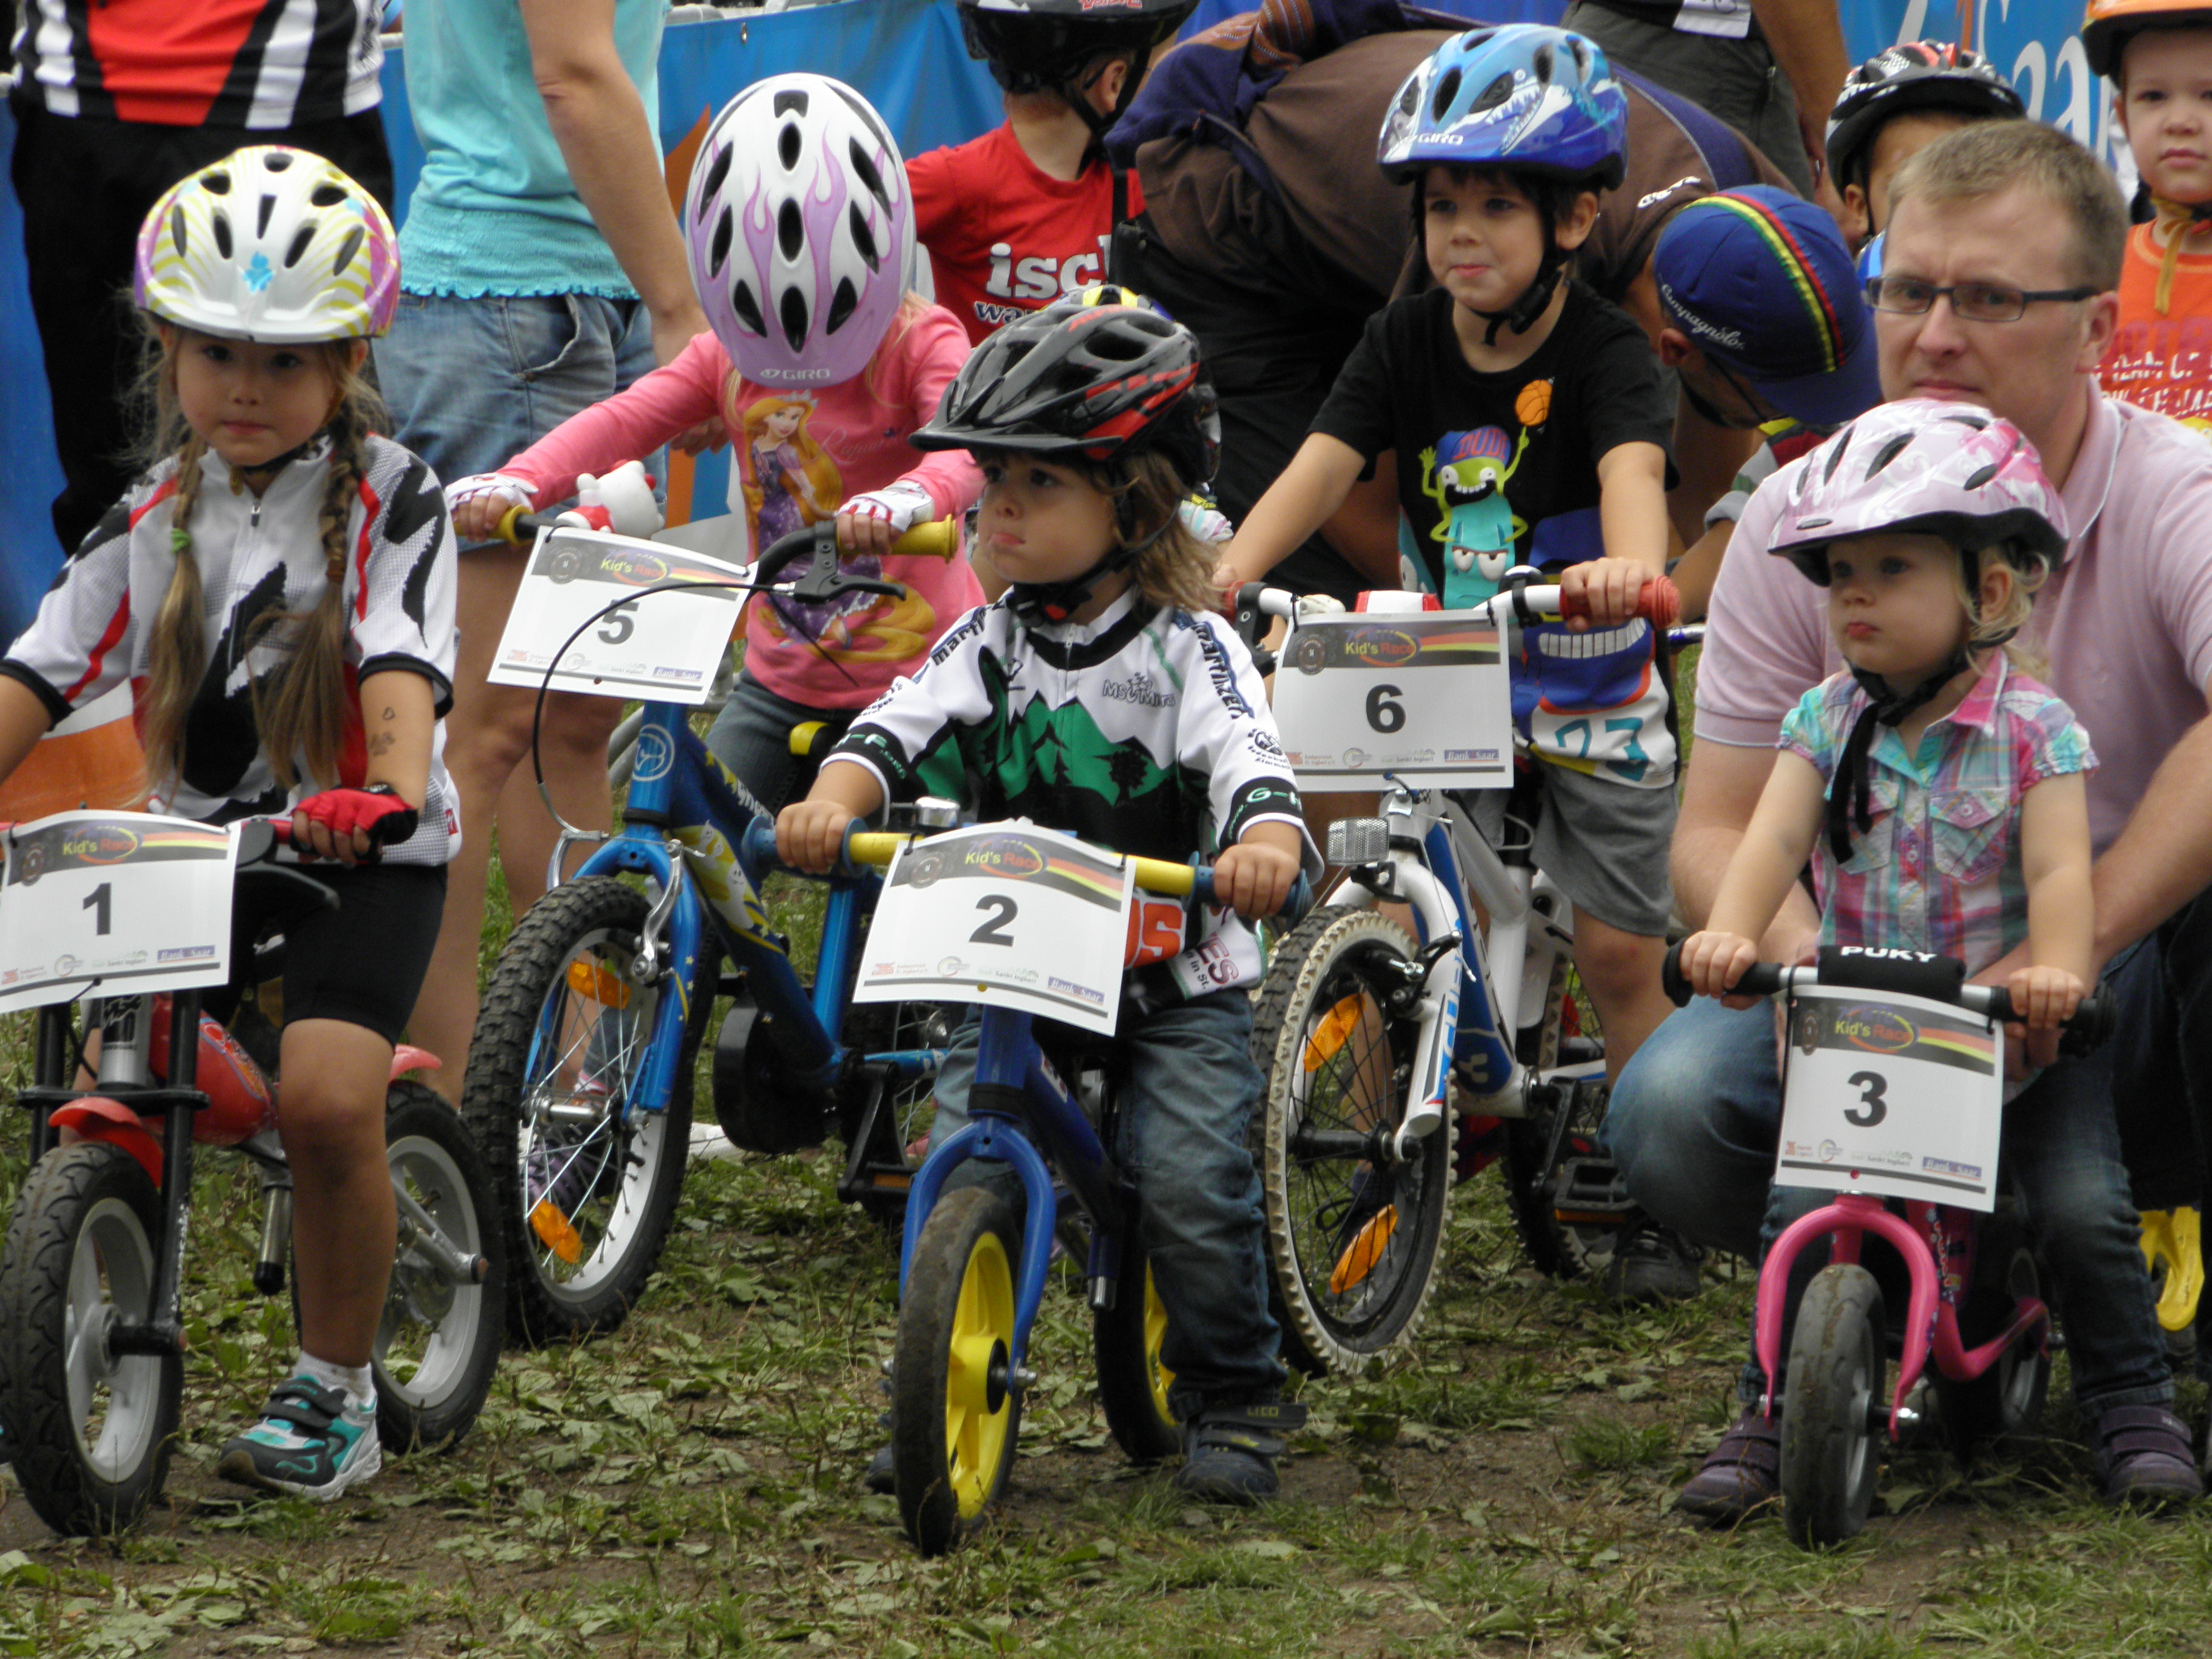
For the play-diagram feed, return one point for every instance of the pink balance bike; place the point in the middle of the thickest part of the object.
(1893, 1082)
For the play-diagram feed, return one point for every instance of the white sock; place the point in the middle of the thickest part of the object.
(359, 1385)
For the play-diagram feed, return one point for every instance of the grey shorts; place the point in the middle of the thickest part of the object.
(1604, 843)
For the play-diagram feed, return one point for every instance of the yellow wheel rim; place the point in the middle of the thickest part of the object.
(982, 1334)
(1156, 1334)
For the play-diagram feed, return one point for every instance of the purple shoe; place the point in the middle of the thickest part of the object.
(2142, 1455)
(1740, 1477)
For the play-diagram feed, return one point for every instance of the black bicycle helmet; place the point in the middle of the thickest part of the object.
(1045, 45)
(1918, 75)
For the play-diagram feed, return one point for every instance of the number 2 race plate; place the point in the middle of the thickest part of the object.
(1892, 1095)
(1006, 914)
(1422, 695)
(131, 900)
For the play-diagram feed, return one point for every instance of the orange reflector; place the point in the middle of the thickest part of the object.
(1329, 1033)
(894, 1183)
(553, 1230)
(588, 979)
(1365, 1249)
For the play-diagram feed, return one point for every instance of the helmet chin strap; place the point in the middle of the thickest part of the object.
(1055, 602)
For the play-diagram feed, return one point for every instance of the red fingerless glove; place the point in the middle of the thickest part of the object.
(379, 808)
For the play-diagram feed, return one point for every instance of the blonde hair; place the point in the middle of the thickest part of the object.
(303, 708)
(1175, 566)
(1999, 628)
(1989, 157)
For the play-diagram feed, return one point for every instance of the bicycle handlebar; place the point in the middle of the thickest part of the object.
(1658, 603)
(825, 579)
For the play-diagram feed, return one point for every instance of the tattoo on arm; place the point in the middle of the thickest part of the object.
(381, 743)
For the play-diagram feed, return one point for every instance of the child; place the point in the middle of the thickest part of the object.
(820, 389)
(1895, 104)
(1018, 218)
(2160, 58)
(1091, 423)
(1940, 793)
(278, 590)
(1529, 427)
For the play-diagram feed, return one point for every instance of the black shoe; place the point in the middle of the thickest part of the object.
(1229, 1451)
(1653, 1265)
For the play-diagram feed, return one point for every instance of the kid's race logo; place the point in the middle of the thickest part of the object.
(1382, 648)
(1004, 855)
(99, 843)
(1876, 1029)
(638, 569)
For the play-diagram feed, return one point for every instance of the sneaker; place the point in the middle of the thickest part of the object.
(1229, 1451)
(2142, 1455)
(881, 1476)
(1740, 1476)
(310, 1440)
(1653, 1264)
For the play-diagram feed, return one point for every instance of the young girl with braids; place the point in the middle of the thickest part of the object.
(278, 589)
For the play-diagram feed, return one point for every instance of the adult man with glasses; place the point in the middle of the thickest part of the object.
(1997, 290)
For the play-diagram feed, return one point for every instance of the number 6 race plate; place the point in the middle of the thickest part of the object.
(1423, 695)
(130, 901)
(1006, 914)
(1891, 1094)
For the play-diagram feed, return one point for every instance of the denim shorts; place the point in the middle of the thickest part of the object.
(472, 383)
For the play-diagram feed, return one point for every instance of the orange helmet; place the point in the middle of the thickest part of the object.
(2107, 24)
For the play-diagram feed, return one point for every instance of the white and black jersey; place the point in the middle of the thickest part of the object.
(259, 557)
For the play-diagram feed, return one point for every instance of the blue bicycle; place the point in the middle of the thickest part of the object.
(581, 1080)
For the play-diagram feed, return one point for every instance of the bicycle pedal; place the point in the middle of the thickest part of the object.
(1589, 1192)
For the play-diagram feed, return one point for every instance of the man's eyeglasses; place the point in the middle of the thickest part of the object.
(1975, 302)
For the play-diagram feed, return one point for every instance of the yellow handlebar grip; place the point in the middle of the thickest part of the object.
(1158, 876)
(872, 847)
(507, 532)
(938, 539)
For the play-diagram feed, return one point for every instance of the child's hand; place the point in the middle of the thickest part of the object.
(1714, 962)
(1254, 877)
(2043, 997)
(811, 834)
(1608, 588)
(478, 504)
(871, 523)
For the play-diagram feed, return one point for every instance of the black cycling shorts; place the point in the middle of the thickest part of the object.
(363, 962)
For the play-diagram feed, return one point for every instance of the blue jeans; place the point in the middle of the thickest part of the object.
(1187, 1087)
(752, 737)
(1692, 1125)
(472, 383)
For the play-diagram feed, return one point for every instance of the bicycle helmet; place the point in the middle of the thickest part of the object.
(1094, 383)
(2107, 24)
(1045, 45)
(1539, 102)
(273, 245)
(1918, 75)
(800, 229)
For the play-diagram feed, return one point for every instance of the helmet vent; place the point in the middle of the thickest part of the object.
(717, 170)
(842, 304)
(261, 218)
(1836, 457)
(792, 312)
(177, 228)
(790, 231)
(719, 249)
(1981, 475)
(870, 179)
(1410, 100)
(298, 250)
(863, 238)
(216, 184)
(222, 234)
(1447, 90)
(787, 145)
(791, 100)
(327, 195)
(277, 160)
(1891, 449)
(1493, 95)
(748, 308)
(346, 249)
(1542, 63)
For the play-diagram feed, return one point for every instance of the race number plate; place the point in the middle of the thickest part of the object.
(663, 649)
(1892, 1095)
(126, 901)
(1422, 695)
(1005, 914)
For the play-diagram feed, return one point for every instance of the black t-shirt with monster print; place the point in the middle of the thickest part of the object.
(1501, 466)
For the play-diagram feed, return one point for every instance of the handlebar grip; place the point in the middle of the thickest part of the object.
(1659, 603)
(1670, 977)
(520, 526)
(1295, 904)
(2089, 1029)
(1761, 979)
(938, 539)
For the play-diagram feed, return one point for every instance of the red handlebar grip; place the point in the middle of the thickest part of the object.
(1659, 603)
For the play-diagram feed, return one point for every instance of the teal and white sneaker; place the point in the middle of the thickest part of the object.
(310, 1440)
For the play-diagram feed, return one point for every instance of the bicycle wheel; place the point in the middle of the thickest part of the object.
(1351, 1239)
(89, 1431)
(955, 1415)
(584, 1198)
(1551, 1158)
(438, 1343)
(1838, 1362)
(1125, 1343)
(2005, 1402)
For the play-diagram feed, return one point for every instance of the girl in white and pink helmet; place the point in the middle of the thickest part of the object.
(1936, 789)
(276, 591)
(821, 363)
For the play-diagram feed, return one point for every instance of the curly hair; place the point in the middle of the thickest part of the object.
(1175, 566)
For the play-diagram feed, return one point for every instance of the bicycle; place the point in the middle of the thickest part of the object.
(92, 1365)
(580, 1087)
(970, 1288)
(1974, 1310)
(1363, 1031)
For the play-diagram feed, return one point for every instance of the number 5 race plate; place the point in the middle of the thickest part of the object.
(1892, 1095)
(131, 900)
(1005, 914)
(1423, 695)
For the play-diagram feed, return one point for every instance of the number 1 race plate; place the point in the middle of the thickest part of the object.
(662, 649)
(134, 901)
(1421, 694)
(1006, 914)
(1892, 1095)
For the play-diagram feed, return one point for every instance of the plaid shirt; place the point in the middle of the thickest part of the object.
(1941, 869)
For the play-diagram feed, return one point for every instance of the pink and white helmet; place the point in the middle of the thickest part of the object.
(800, 228)
(270, 244)
(1926, 467)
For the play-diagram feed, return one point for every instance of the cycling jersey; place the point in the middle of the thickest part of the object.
(259, 556)
(1146, 731)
